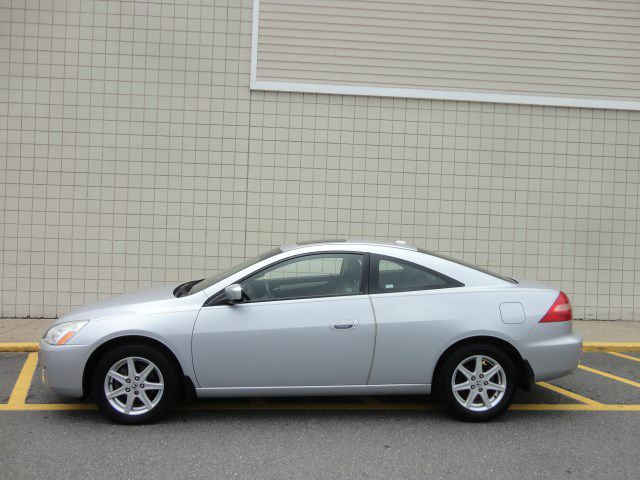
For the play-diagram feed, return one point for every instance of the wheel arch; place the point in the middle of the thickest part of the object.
(95, 356)
(525, 373)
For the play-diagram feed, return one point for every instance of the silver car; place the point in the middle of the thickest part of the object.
(317, 318)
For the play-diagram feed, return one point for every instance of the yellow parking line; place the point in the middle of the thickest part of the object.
(567, 393)
(608, 375)
(26, 407)
(571, 407)
(21, 388)
(622, 355)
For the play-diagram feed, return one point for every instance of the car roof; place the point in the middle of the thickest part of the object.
(374, 243)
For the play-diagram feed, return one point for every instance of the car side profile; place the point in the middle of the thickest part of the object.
(317, 318)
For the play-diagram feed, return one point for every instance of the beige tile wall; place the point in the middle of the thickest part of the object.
(133, 154)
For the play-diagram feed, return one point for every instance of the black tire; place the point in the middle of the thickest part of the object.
(445, 391)
(167, 370)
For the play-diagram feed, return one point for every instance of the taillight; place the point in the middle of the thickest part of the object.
(560, 311)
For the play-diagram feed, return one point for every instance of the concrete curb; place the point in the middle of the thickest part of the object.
(587, 347)
(18, 347)
(611, 347)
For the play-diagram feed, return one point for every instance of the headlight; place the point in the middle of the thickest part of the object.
(62, 332)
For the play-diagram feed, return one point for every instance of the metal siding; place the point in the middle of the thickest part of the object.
(577, 49)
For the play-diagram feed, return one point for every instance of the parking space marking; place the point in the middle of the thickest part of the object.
(576, 407)
(26, 407)
(23, 384)
(609, 375)
(567, 393)
(622, 355)
(17, 399)
(416, 407)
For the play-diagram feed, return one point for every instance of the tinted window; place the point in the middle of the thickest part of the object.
(394, 275)
(318, 275)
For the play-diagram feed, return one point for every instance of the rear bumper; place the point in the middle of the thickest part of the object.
(552, 349)
(62, 367)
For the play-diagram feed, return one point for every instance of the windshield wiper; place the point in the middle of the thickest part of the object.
(183, 289)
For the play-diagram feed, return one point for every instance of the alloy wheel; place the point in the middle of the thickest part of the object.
(133, 385)
(479, 383)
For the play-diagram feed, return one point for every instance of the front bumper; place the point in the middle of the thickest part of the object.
(552, 349)
(63, 367)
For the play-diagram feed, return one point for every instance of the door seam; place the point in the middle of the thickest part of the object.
(375, 338)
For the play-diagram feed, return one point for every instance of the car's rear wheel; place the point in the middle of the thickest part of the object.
(135, 384)
(477, 382)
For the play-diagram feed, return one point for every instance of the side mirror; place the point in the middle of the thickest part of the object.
(233, 293)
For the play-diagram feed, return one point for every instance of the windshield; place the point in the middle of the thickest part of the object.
(207, 282)
(470, 265)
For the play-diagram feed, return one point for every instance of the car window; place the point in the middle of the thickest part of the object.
(316, 275)
(207, 282)
(394, 275)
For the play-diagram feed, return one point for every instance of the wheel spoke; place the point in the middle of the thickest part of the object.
(131, 368)
(485, 399)
(145, 373)
(462, 386)
(153, 386)
(144, 399)
(117, 392)
(472, 396)
(117, 376)
(129, 405)
(465, 372)
(491, 372)
(478, 369)
(496, 387)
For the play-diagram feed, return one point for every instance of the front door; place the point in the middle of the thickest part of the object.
(304, 322)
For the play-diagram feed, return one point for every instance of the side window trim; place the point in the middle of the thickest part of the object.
(366, 273)
(374, 264)
(218, 298)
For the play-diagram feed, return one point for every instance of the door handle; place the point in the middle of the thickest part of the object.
(344, 325)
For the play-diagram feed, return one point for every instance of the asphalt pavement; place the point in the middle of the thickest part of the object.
(334, 438)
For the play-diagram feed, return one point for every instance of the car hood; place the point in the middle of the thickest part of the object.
(142, 301)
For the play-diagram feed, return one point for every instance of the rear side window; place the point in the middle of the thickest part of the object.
(395, 275)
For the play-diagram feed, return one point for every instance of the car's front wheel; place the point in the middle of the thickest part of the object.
(477, 382)
(135, 384)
